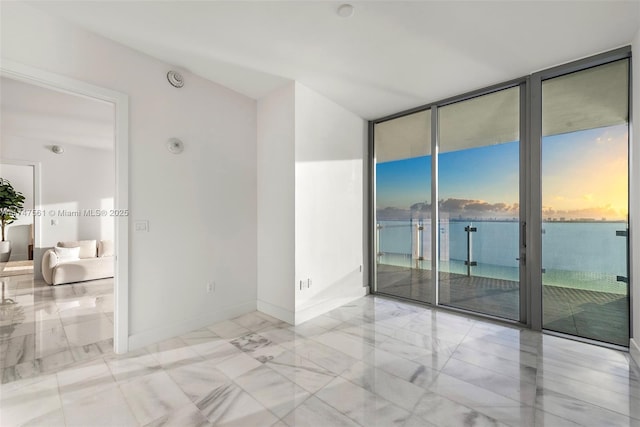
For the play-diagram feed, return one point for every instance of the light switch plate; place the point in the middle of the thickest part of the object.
(141, 225)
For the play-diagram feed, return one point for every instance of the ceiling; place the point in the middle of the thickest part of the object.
(55, 118)
(389, 56)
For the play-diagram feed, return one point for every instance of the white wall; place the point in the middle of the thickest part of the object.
(201, 205)
(310, 204)
(19, 232)
(635, 200)
(276, 206)
(329, 203)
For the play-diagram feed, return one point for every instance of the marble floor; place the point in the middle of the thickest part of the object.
(375, 361)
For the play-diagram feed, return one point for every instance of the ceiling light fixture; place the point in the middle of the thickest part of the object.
(345, 10)
(175, 145)
(57, 149)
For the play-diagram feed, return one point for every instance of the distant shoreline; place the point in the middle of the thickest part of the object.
(546, 221)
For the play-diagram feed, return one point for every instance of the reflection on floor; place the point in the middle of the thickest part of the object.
(600, 316)
(44, 328)
(16, 268)
(375, 361)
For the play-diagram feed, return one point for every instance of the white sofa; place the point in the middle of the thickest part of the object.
(78, 261)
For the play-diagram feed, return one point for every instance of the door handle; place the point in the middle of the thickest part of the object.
(524, 234)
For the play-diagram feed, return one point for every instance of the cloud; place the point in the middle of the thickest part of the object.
(461, 208)
(478, 208)
(422, 206)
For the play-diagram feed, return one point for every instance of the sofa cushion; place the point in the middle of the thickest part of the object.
(105, 248)
(83, 269)
(67, 254)
(87, 247)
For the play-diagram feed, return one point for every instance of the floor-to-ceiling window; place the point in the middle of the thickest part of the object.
(456, 184)
(479, 204)
(585, 203)
(403, 206)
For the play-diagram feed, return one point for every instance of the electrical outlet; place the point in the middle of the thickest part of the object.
(211, 287)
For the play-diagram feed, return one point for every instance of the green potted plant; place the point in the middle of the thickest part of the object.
(11, 203)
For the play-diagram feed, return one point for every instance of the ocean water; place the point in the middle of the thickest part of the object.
(583, 255)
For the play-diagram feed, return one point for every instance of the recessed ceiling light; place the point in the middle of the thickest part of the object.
(345, 10)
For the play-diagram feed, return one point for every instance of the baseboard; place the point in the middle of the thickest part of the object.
(154, 335)
(276, 311)
(308, 313)
(634, 351)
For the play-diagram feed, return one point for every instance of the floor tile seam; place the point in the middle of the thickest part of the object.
(600, 384)
(622, 377)
(495, 352)
(147, 375)
(256, 399)
(313, 395)
(126, 401)
(486, 412)
(493, 371)
(293, 409)
(503, 342)
(129, 379)
(348, 355)
(66, 338)
(597, 404)
(52, 371)
(577, 354)
(451, 354)
(499, 393)
(509, 398)
(537, 408)
(365, 340)
(437, 372)
(307, 359)
(421, 347)
(534, 408)
(311, 362)
(423, 393)
(472, 408)
(338, 410)
(78, 322)
(511, 348)
(59, 392)
(113, 378)
(564, 395)
(168, 413)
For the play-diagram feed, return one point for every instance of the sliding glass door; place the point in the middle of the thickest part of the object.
(585, 203)
(512, 201)
(479, 204)
(403, 207)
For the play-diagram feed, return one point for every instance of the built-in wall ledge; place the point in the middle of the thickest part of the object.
(634, 351)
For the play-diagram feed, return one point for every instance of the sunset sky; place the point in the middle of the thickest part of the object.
(584, 176)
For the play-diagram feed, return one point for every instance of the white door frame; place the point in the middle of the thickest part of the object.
(65, 84)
